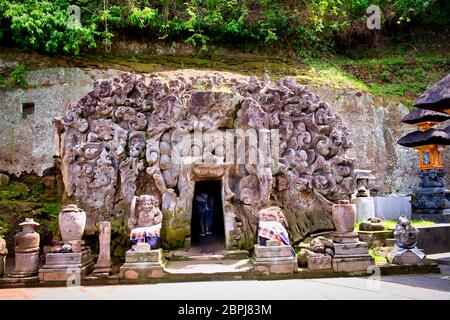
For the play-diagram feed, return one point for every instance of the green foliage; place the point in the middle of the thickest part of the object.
(28, 197)
(390, 224)
(120, 238)
(379, 257)
(18, 76)
(302, 25)
(42, 25)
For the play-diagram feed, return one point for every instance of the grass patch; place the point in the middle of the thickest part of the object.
(395, 73)
(390, 224)
(378, 256)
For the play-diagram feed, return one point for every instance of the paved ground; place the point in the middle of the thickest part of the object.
(389, 287)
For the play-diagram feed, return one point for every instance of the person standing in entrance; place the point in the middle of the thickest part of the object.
(209, 215)
(205, 205)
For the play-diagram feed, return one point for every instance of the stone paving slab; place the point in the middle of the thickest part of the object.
(429, 281)
(441, 258)
(311, 289)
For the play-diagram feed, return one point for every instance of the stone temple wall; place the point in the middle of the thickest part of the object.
(27, 142)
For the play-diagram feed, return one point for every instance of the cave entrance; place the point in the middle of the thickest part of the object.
(214, 239)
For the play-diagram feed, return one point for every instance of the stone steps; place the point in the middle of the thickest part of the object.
(186, 255)
(202, 267)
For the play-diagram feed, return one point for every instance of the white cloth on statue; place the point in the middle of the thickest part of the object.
(138, 233)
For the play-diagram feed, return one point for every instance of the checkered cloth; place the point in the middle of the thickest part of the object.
(141, 234)
(274, 230)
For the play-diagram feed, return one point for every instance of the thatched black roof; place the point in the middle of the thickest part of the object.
(422, 138)
(421, 115)
(447, 129)
(436, 98)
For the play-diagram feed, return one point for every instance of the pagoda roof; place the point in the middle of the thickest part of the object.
(437, 97)
(423, 138)
(418, 115)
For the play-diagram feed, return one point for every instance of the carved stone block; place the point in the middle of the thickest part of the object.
(65, 266)
(142, 265)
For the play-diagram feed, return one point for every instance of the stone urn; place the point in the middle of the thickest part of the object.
(26, 244)
(72, 221)
(27, 240)
(344, 216)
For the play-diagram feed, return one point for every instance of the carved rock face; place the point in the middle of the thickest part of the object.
(125, 138)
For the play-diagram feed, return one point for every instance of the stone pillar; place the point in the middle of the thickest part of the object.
(3, 253)
(103, 266)
(26, 250)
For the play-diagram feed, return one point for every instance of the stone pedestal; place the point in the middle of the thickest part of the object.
(103, 265)
(349, 253)
(63, 266)
(375, 238)
(319, 261)
(142, 265)
(352, 256)
(274, 259)
(344, 237)
(26, 265)
(406, 256)
(432, 196)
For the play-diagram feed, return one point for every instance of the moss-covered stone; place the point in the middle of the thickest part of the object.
(175, 228)
(175, 238)
(29, 196)
(120, 238)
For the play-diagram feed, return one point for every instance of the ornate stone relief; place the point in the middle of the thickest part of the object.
(132, 135)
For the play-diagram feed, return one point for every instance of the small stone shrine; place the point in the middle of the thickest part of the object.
(350, 254)
(26, 247)
(71, 258)
(144, 259)
(365, 206)
(406, 251)
(432, 107)
(273, 254)
(432, 196)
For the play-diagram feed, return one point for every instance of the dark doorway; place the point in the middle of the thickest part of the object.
(215, 241)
